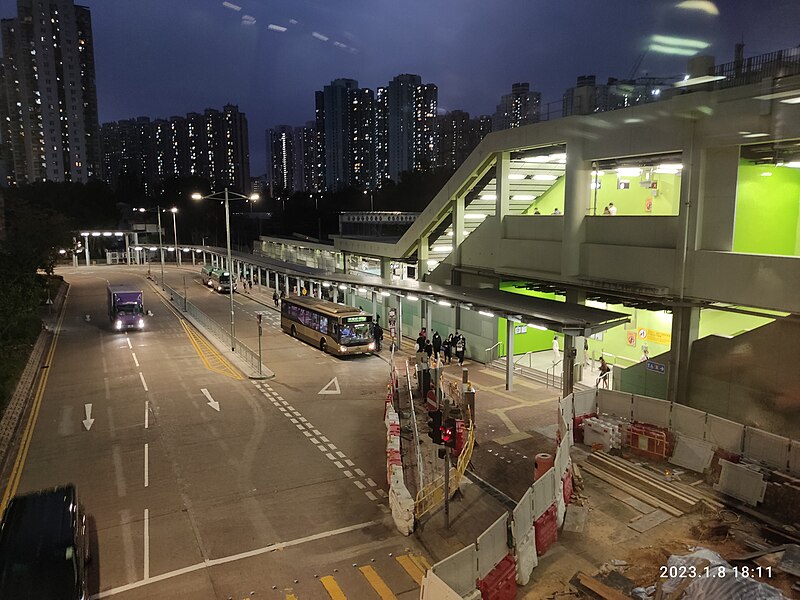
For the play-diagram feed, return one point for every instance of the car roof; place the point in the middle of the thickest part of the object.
(37, 520)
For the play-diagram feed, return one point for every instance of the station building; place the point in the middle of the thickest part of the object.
(683, 214)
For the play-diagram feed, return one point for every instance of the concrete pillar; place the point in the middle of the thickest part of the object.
(502, 167)
(127, 250)
(286, 284)
(194, 258)
(568, 372)
(86, 251)
(577, 195)
(336, 293)
(422, 257)
(685, 330)
(319, 291)
(386, 269)
(374, 304)
(429, 316)
(458, 238)
(399, 321)
(510, 355)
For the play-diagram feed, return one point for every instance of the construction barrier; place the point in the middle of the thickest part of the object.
(400, 501)
(500, 583)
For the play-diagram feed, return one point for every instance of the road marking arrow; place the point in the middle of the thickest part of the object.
(87, 422)
(327, 389)
(211, 402)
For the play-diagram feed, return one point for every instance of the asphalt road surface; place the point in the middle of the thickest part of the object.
(202, 483)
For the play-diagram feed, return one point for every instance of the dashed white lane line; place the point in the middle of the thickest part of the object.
(146, 544)
(332, 453)
(146, 465)
(135, 360)
(146, 414)
(127, 339)
(144, 383)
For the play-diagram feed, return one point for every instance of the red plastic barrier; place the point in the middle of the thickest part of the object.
(567, 487)
(501, 582)
(577, 427)
(546, 530)
(461, 437)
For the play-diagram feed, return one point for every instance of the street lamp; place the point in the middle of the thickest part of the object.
(174, 211)
(253, 197)
(160, 242)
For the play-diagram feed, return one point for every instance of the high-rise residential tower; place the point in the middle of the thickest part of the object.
(520, 107)
(48, 98)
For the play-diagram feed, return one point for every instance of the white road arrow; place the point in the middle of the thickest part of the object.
(211, 402)
(87, 422)
(334, 383)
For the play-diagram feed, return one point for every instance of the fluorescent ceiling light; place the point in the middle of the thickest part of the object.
(794, 164)
(755, 135)
(516, 176)
(474, 217)
(326, 284)
(137, 248)
(629, 171)
(85, 234)
(432, 262)
(705, 6)
(671, 50)
(678, 41)
(95, 234)
(558, 156)
(485, 313)
(795, 100)
(698, 80)
(443, 303)
(449, 234)
(542, 158)
(107, 234)
(539, 327)
(362, 290)
(442, 248)
(545, 177)
(488, 197)
(412, 298)
(385, 293)
(153, 248)
(523, 197)
(342, 286)
(766, 174)
(170, 248)
(790, 94)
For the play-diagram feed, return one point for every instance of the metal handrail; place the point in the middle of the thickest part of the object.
(487, 350)
(552, 370)
(416, 430)
(521, 356)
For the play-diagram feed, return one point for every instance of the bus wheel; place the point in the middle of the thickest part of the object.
(294, 331)
(323, 345)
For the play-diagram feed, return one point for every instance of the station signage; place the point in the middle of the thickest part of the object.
(652, 365)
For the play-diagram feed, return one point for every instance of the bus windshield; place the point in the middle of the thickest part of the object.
(355, 333)
(129, 309)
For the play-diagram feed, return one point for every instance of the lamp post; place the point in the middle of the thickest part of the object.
(253, 197)
(174, 211)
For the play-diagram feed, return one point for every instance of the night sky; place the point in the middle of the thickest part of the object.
(159, 58)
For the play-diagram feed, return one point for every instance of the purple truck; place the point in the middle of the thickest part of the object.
(125, 307)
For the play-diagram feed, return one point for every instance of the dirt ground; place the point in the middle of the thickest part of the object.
(607, 542)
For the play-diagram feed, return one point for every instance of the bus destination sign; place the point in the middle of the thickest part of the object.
(355, 319)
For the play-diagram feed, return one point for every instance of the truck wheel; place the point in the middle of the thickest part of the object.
(294, 331)
(323, 345)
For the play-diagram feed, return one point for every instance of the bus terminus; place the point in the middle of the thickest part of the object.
(333, 328)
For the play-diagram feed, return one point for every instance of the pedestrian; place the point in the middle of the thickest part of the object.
(250, 284)
(437, 344)
(586, 351)
(606, 210)
(421, 349)
(447, 348)
(556, 211)
(276, 297)
(605, 370)
(423, 333)
(377, 331)
(304, 291)
(556, 350)
(428, 349)
(283, 295)
(645, 353)
(612, 210)
(536, 211)
(461, 346)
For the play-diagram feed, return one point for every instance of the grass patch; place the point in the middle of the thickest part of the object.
(14, 358)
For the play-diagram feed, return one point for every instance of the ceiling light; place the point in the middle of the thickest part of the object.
(95, 234)
(432, 262)
(326, 284)
(795, 100)
(678, 41)
(443, 303)
(795, 164)
(385, 293)
(488, 197)
(544, 177)
(474, 217)
(539, 327)
(629, 171)
(442, 248)
(362, 290)
(342, 286)
(412, 298)
(449, 234)
(523, 197)
(516, 176)
(543, 158)
(698, 80)
(558, 156)
(766, 174)
(485, 313)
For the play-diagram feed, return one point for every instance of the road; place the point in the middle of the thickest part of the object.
(202, 483)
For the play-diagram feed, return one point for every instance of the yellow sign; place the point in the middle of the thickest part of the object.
(655, 337)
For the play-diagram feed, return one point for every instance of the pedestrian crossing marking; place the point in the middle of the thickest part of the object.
(378, 584)
(333, 589)
(411, 567)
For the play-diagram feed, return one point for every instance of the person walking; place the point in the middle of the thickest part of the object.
(378, 334)
(447, 348)
(428, 350)
(437, 344)
(423, 333)
(556, 350)
(250, 284)
(605, 371)
(461, 346)
(276, 297)
(421, 349)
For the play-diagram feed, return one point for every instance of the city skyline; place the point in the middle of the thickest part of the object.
(160, 60)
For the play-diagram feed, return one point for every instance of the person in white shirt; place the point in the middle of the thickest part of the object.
(556, 350)
(612, 210)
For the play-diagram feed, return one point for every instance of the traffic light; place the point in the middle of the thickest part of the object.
(435, 426)
(449, 433)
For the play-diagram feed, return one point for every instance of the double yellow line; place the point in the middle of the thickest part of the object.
(27, 434)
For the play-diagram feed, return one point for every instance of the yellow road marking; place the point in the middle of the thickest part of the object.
(290, 596)
(377, 583)
(22, 453)
(333, 589)
(421, 561)
(211, 359)
(411, 567)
